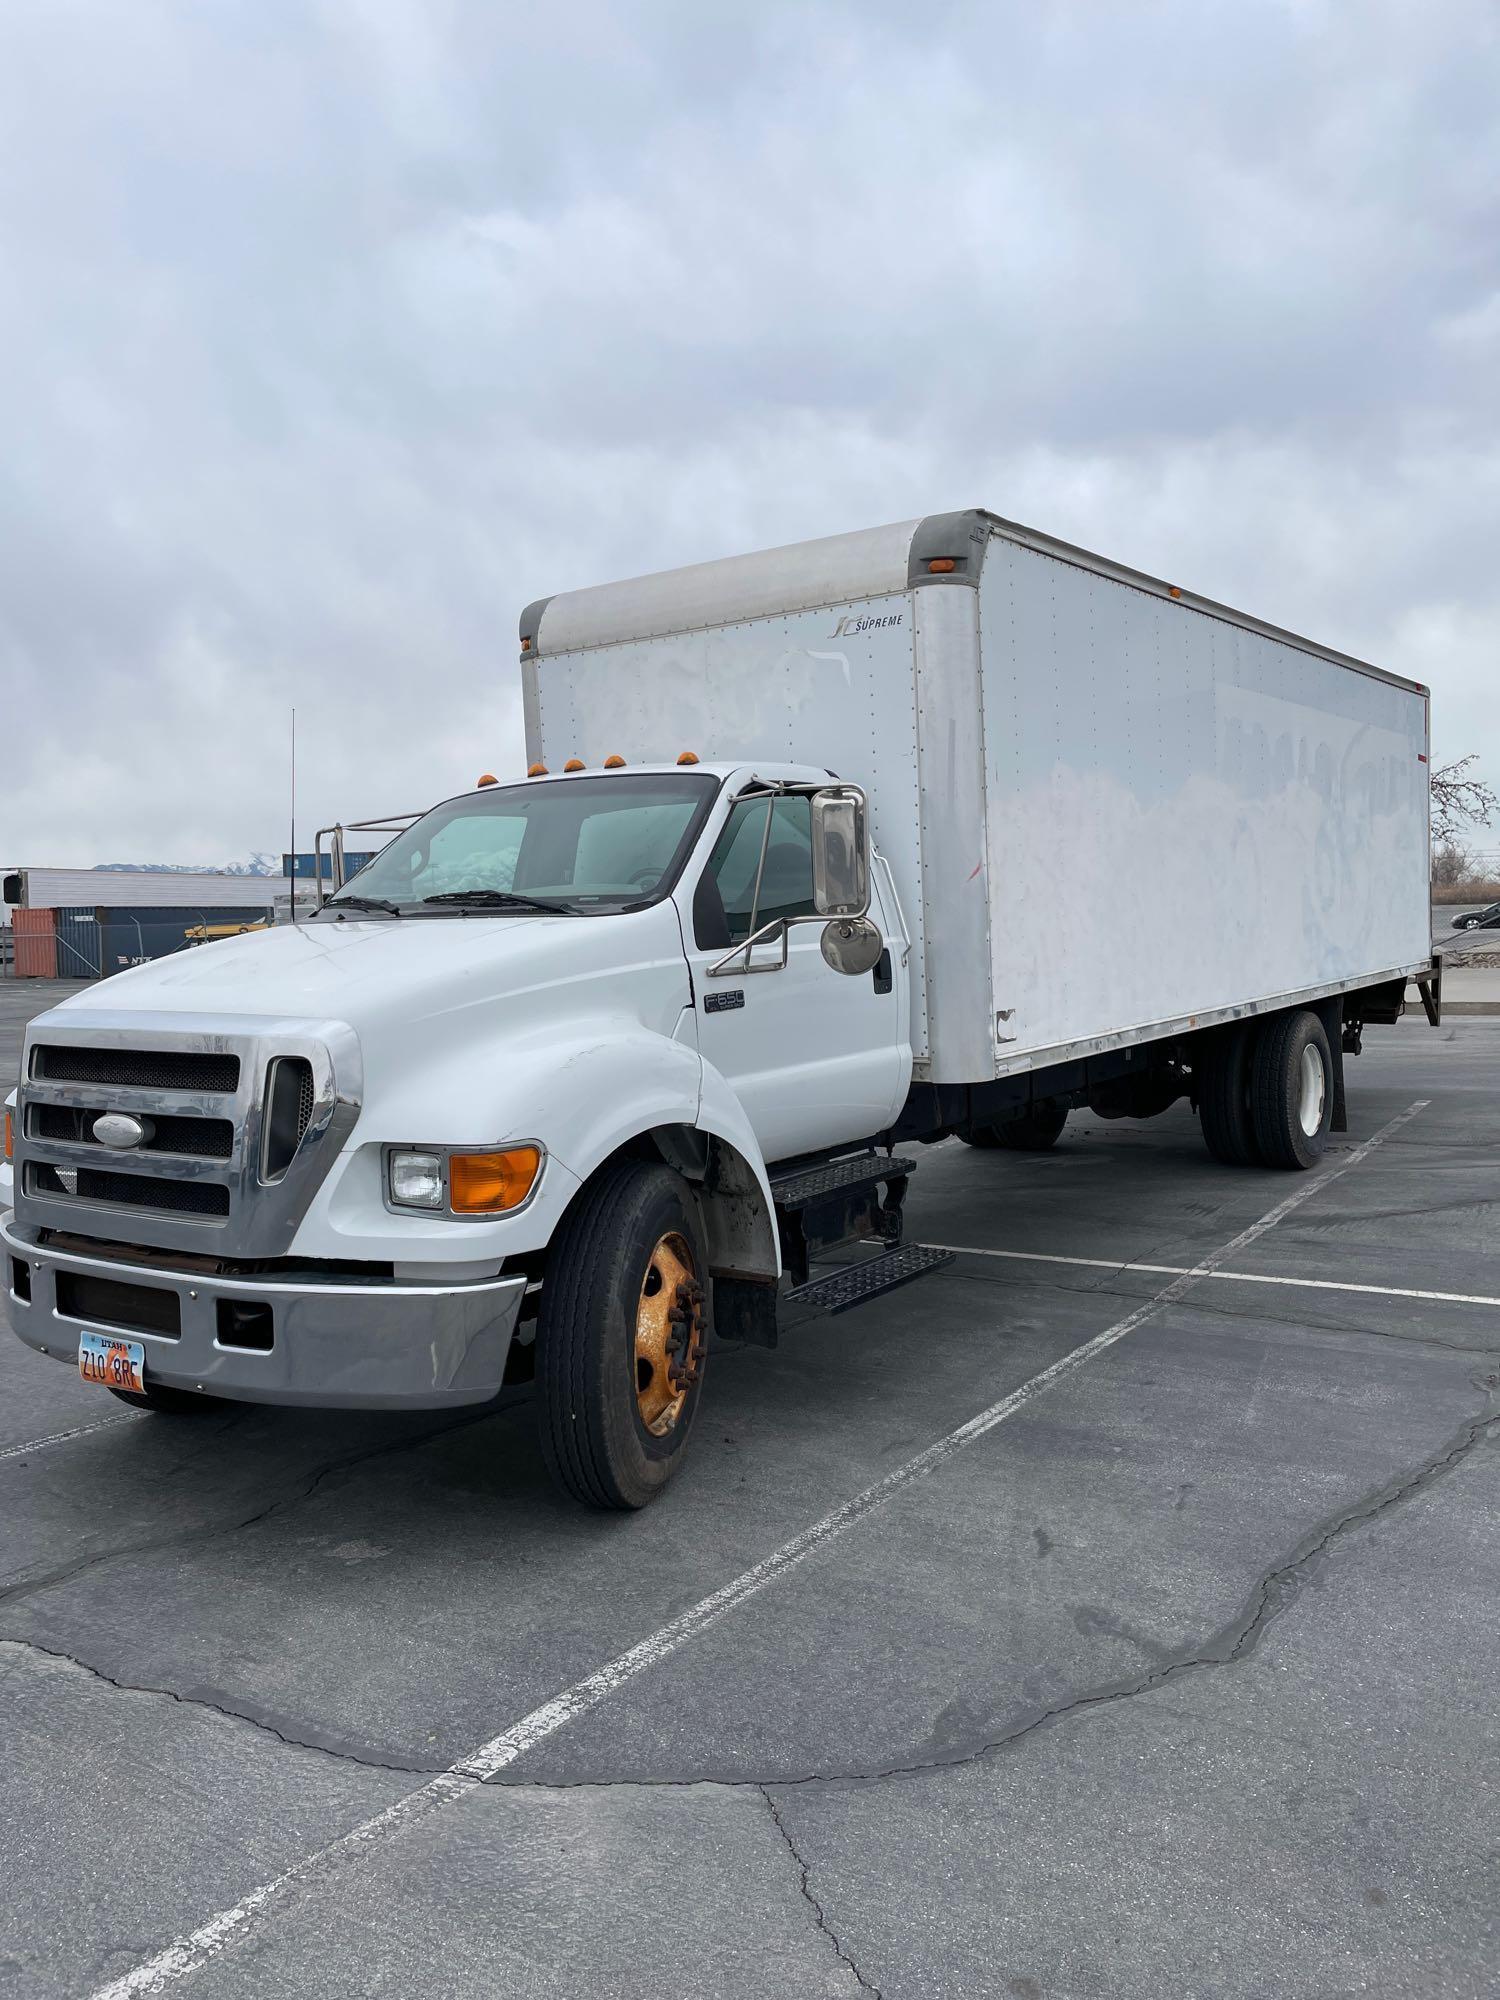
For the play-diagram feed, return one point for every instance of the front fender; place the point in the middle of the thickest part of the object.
(581, 1091)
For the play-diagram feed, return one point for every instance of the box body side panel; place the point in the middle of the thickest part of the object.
(831, 687)
(955, 880)
(1184, 814)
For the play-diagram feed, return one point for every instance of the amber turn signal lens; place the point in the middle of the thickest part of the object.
(940, 565)
(490, 1183)
(10, 1138)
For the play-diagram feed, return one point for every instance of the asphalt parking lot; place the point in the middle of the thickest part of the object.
(1115, 1613)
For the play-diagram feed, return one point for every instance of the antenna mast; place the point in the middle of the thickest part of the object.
(292, 879)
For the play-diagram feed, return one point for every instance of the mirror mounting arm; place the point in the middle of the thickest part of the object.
(725, 967)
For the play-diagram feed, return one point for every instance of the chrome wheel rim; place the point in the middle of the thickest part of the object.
(1314, 1090)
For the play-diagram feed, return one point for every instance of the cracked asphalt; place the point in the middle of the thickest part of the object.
(1182, 1680)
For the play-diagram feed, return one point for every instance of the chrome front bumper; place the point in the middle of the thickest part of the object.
(338, 1345)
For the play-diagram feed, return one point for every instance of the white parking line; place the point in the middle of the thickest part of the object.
(1231, 1277)
(62, 1437)
(229, 1926)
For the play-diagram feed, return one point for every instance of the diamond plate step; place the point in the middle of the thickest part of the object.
(858, 1282)
(864, 1170)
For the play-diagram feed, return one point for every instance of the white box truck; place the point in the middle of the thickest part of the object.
(941, 828)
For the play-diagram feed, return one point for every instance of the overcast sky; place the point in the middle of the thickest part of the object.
(331, 335)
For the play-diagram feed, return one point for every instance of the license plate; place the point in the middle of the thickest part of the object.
(111, 1363)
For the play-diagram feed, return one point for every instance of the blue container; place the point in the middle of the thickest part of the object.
(137, 937)
(78, 944)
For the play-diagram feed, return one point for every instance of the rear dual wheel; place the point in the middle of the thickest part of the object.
(1265, 1092)
(1291, 1090)
(622, 1337)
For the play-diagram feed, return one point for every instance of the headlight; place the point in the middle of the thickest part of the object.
(417, 1180)
(490, 1183)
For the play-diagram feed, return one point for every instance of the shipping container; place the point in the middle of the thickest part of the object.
(35, 935)
(137, 936)
(145, 888)
(78, 943)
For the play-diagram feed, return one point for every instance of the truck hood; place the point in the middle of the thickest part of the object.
(380, 973)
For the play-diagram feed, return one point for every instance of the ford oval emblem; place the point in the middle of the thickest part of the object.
(120, 1130)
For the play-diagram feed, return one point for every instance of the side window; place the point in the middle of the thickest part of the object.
(786, 880)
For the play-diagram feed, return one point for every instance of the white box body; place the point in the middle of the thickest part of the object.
(1113, 811)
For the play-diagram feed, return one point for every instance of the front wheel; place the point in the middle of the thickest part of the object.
(622, 1337)
(1035, 1131)
(1291, 1090)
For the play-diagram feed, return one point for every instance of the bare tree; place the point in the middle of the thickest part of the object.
(1460, 799)
(1452, 864)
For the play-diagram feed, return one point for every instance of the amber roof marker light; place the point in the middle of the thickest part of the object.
(536, 770)
(488, 778)
(575, 764)
(614, 763)
(941, 565)
(687, 756)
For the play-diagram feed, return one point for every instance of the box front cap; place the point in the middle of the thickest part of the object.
(836, 569)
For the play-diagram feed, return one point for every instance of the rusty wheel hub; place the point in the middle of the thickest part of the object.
(668, 1334)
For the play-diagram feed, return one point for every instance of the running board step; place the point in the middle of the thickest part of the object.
(856, 1283)
(817, 1183)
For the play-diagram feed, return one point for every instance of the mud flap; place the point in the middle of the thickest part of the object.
(1331, 1013)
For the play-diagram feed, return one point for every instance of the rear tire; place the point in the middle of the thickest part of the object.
(1035, 1131)
(626, 1274)
(167, 1402)
(1224, 1095)
(1291, 1090)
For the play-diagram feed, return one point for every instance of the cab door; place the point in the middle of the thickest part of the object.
(817, 1058)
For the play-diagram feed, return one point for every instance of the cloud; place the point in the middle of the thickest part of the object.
(333, 336)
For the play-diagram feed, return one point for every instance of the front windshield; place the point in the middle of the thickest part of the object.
(582, 844)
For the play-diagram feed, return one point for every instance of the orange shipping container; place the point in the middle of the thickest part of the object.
(35, 933)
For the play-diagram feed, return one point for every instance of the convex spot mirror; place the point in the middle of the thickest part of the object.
(852, 945)
(840, 860)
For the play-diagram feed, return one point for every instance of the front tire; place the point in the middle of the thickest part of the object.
(1035, 1131)
(1291, 1090)
(622, 1337)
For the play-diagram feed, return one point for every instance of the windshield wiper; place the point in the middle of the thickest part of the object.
(361, 903)
(507, 899)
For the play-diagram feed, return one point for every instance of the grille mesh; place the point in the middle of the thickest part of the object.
(131, 1190)
(147, 1069)
(304, 1100)
(194, 1138)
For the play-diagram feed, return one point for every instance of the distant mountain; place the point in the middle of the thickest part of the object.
(258, 864)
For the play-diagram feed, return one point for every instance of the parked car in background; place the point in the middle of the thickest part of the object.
(1487, 919)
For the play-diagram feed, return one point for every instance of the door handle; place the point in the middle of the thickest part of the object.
(882, 972)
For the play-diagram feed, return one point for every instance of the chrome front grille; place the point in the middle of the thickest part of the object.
(229, 1158)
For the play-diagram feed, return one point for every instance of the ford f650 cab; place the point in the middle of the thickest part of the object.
(583, 1069)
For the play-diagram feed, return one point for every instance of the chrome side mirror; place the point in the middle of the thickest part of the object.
(852, 945)
(840, 854)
